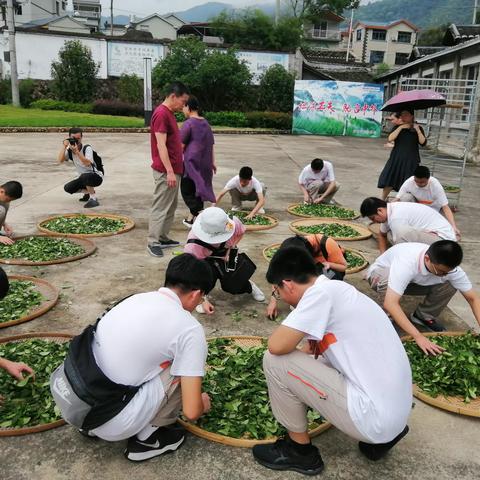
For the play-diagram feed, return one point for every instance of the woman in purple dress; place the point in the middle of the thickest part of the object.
(198, 159)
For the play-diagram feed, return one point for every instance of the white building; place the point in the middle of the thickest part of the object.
(88, 12)
(31, 11)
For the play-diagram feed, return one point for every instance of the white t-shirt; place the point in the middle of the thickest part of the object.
(432, 195)
(134, 342)
(361, 343)
(308, 176)
(80, 167)
(419, 217)
(253, 184)
(406, 264)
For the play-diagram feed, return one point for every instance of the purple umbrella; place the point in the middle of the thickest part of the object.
(414, 100)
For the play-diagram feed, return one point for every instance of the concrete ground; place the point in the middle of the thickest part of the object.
(440, 445)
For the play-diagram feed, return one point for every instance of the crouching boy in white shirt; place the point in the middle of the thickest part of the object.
(354, 370)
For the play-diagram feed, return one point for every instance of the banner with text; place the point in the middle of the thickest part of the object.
(328, 107)
(127, 58)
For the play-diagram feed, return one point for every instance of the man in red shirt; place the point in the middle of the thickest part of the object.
(167, 167)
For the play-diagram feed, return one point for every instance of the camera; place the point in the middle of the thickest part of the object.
(72, 141)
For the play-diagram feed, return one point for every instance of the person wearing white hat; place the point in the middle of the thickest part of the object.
(214, 236)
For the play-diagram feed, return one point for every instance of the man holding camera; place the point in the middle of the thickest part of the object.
(83, 159)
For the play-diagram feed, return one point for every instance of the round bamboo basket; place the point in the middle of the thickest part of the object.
(364, 233)
(374, 228)
(347, 271)
(87, 245)
(129, 225)
(245, 341)
(451, 190)
(451, 404)
(50, 295)
(255, 228)
(53, 337)
(291, 210)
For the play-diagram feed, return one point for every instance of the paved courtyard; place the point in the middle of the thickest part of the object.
(439, 446)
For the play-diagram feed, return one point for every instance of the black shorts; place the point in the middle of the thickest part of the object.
(83, 181)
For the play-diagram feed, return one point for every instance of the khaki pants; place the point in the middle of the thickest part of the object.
(296, 381)
(436, 296)
(405, 233)
(239, 197)
(164, 204)
(317, 187)
(172, 401)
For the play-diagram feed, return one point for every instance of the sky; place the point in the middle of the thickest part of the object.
(146, 7)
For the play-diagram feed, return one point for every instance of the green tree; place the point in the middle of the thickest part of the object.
(74, 73)
(432, 37)
(276, 90)
(130, 89)
(381, 68)
(302, 8)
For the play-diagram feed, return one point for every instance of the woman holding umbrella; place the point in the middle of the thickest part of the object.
(405, 155)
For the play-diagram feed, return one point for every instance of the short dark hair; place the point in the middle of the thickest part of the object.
(316, 164)
(4, 284)
(176, 88)
(445, 252)
(291, 263)
(74, 130)
(13, 189)
(422, 172)
(370, 206)
(193, 103)
(245, 173)
(299, 242)
(188, 273)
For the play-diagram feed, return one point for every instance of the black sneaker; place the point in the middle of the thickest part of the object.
(155, 250)
(164, 440)
(92, 202)
(376, 451)
(168, 243)
(85, 198)
(188, 223)
(282, 455)
(87, 434)
(427, 321)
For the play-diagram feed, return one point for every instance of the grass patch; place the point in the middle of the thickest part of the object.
(31, 117)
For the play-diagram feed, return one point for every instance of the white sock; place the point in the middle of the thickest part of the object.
(143, 434)
(93, 197)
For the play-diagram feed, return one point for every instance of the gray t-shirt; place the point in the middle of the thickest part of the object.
(80, 167)
(4, 206)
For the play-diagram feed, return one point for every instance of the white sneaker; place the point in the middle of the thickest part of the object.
(236, 209)
(261, 211)
(199, 308)
(257, 294)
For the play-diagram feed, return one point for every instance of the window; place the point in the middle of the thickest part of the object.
(380, 35)
(376, 56)
(18, 9)
(404, 37)
(57, 8)
(401, 58)
(320, 30)
(359, 34)
(446, 74)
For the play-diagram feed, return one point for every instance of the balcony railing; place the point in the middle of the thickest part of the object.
(87, 13)
(318, 34)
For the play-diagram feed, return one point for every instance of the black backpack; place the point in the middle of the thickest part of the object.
(97, 159)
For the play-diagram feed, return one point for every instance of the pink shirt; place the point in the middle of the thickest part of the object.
(201, 252)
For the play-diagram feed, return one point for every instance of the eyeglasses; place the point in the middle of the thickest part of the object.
(276, 293)
(441, 273)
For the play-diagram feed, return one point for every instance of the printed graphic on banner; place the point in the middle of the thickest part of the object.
(127, 58)
(327, 107)
(259, 62)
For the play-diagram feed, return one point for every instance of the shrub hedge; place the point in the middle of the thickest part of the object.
(47, 104)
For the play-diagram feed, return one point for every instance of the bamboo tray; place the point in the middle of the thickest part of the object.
(54, 337)
(87, 245)
(49, 292)
(245, 341)
(374, 228)
(129, 225)
(347, 271)
(451, 404)
(362, 230)
(290, 209)
(256, 228)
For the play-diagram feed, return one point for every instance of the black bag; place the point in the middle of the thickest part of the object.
(235, 272)
(97, 159)
(87, 398)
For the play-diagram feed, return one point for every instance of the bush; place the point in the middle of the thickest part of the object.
(275, 92)
(74, 74)
(130, 89)
(25, 89)
(48, 104)
(226, 119)
(5, 91)
(276, 120)
(115, 107)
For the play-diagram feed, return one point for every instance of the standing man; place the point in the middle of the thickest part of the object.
(422, 188)
(167, 167)
(406, 222)
(317, 182)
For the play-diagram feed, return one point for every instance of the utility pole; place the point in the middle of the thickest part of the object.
(111, 18)
(350, 34)
(277, 11)
(13, 54)
(475, 10)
